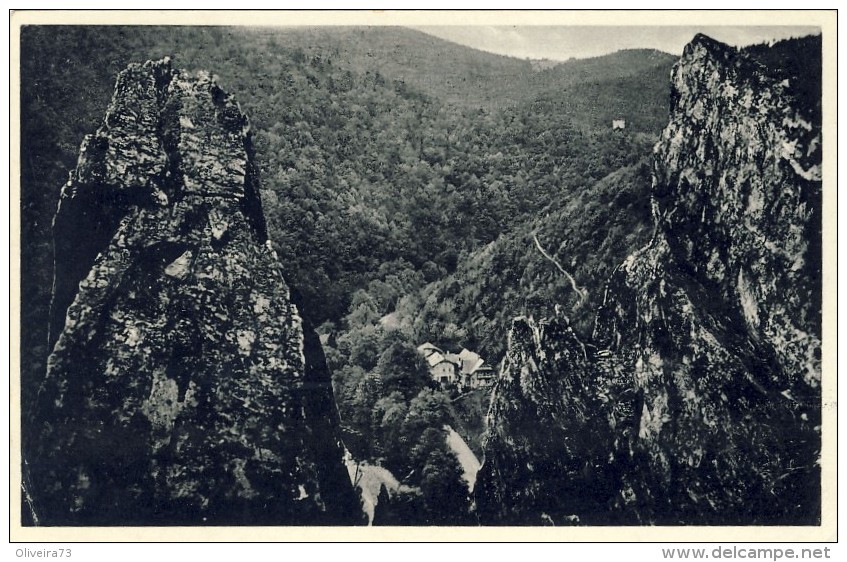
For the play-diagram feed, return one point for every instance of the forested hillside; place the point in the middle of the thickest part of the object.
(363, 176)
(586, 234)
(415, 190)
(469, 78)
(405, 181)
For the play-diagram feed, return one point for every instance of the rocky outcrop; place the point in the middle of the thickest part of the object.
(182, 388)
(698, 399)
(547, 433)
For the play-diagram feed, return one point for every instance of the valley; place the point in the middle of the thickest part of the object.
(415, 191)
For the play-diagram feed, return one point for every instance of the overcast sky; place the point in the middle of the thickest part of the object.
(564, 42)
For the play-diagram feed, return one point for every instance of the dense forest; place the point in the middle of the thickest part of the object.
(414, 190)
(411, 187)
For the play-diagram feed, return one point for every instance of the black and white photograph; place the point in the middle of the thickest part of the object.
(410, 271)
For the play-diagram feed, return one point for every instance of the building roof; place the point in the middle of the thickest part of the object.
(434, 359)
(453, 358)
(470, 361)
(427, 349)
(469, 366)
(467, 354)
(466, 361)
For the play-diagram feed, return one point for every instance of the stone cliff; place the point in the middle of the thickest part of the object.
(697, 400)
(182, 387)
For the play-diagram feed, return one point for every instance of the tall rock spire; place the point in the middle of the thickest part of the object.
(181, 388)
(702, 405)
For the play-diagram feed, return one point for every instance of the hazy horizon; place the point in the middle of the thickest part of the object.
(565, 42)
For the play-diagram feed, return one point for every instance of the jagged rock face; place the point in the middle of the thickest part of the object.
(537, 448)
(738, 193)
(709, 365)
(181, 389)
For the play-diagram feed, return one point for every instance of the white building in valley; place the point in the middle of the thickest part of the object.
(465, 369)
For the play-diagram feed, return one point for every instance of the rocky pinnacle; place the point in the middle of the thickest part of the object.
(698, 399)
(181, 388)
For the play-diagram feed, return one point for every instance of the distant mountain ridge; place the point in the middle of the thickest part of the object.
(464, 76)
